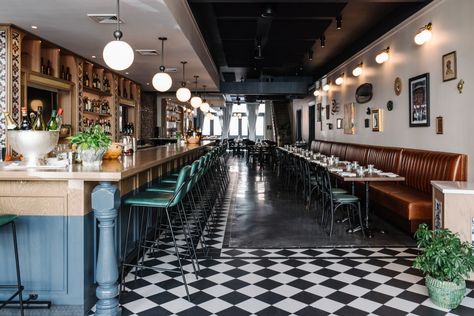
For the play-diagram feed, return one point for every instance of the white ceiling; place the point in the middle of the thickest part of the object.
(65, 22)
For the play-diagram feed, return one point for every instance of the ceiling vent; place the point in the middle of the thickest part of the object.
(147, 52)
(104, 18)
(170, 69)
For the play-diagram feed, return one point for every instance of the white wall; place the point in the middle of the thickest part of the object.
(453, 28)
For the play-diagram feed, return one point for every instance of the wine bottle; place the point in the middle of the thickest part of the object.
(9, 122)
(38, 124)
(86, 79)
(52, 124)
(49, 71)
(98, 83)
(63, 74)
(59, 118)
(25, 122)
(68, 74)
(42, 66)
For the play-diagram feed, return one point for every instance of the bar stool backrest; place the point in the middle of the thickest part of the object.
(180, 189)
(193, 175)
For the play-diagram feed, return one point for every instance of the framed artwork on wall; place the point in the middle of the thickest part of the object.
(439, 125)
(419, 100)
(367, 123)
(339, 123)
(349, 118)
(328, 112)
(318, 112)
(377, 120)
(449, 66)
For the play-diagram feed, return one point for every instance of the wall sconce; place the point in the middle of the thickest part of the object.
(317, 93)
(423, 35)
(323, 41)
(327, 86)
(382, 56)
(357, 71)
(339, 80)
(338, 22)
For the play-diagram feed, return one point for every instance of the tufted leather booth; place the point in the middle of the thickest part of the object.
(315, 145)
(409, 203)
(325, 148)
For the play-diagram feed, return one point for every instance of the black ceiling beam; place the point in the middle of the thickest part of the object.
(251, 18)
(307, 1)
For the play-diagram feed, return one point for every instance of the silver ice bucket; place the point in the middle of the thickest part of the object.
(33, 145)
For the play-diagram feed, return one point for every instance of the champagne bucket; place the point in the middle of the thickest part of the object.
(33, 145)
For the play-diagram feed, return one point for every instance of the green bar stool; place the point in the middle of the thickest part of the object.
(4, 221)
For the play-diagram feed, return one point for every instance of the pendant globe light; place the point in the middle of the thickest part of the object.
(118, 54)
(196, 101)
(161, 80)
(205, 107)
(183, 94)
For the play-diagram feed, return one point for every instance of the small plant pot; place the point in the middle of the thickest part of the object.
(445, 294)
(91, 157)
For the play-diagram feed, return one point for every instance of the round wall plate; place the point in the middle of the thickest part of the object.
(397, 86)
(390, 105)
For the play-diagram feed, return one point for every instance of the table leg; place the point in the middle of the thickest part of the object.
(105, 203)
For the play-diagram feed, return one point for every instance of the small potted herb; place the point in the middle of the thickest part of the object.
(91, 145)
(446, 262)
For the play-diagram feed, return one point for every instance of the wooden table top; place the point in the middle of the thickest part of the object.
(111, 170)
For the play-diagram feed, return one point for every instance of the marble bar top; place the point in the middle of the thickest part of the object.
(454, 187)
(111, 170)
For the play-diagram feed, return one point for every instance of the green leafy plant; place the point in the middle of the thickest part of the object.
(443, 255)
(92, 138)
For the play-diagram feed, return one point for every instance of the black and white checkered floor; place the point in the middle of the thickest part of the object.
(302, 281)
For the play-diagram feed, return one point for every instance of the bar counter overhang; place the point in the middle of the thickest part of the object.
(70, 227)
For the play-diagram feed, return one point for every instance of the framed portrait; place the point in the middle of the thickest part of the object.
(367, 123)
(339, 123)
(439, 125)
(450, 68)
(349, 118)
(419, 100)
(328, 112)
(377, 120)
(318, 112)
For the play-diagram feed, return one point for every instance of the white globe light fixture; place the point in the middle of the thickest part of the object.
(118, 54)
(357, 71)
(326, 87)
(205, 107)
(317, 93)
(196, 101)
(210, 116)
(183, 94)
(339, 80)
(424, 35)
(383, 56)
(162, 81)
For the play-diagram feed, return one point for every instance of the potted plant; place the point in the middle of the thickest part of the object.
(446, 262)
(91, 145)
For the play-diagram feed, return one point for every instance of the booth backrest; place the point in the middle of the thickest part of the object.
(385, 158)
(315, 146)
(339, 150)
(419, 167)
(325, 148)
(356, 153)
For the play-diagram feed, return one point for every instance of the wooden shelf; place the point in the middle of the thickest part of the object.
(96, 114)
(97, 92)
(127, 102)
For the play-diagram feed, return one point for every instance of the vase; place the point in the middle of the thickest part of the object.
(91, 157)
(445, 294)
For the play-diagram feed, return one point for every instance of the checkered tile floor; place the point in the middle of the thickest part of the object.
(318, 281)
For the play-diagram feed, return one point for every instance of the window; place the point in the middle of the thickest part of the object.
(260, 124)
(245, 126)
(212, 127)
(234, 126)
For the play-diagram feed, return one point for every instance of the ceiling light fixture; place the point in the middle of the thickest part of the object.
(196, 101)
(339, 80)
(357, 71)
(338, 22)
(323, 41)
(161, 80)
(205, 107)
(94, 56)
(317, 92)
(34, 27)
(118, 54)
(327, 86)
(424, 34)
(310, 55)
(382, 56)
(267, 11)
(183, 94)
(259, 51)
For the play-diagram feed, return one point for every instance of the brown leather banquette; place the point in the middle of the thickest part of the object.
(409, 203)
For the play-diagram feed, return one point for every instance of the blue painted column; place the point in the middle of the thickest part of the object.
(105, 203)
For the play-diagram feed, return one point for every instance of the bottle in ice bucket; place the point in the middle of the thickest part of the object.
(9, 122)
(38, 124)
(25, 121)
(53, 124)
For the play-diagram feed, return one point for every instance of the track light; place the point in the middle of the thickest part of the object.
(357, 71)
(339, 80)
(382, 56)
(323, 40)
(338, 22)
(327, 86)
(424, 34)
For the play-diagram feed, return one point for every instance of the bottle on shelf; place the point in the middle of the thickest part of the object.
(52, 124)
(59, 118)
(49, 70)
(63, 73)
(9, 122)
(106, 85)
(86, 79)
(38, 124)
(68, 74)
(98, 84)
(42, 68)
(25, 121)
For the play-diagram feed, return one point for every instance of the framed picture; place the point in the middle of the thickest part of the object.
(349, 118)
(367, 123)
(339, 123)
(328, 112)
(377, 120)
(318, 112)
(439, 125)
(450, 68)
(419, 100)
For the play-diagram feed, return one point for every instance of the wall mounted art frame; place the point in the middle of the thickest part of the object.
(318, 112)
(419, 100)
(439, 125)
(339, 123)
(328, 111)
(450, 68)
(377, 120)
(367, 123)
(349, 118)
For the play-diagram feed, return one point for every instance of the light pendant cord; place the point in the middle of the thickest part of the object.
(183, 83)
(162, 67)
(118, 33)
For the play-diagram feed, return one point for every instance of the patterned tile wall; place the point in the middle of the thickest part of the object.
(148, 115)
(16, 73)
(80, 70)
(3, 84)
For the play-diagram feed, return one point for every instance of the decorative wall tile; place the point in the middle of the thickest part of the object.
(80, 70)
(3, 84)
(16, 72)
(117, 109)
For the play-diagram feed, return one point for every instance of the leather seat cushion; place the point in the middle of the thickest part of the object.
(405, 201)
(356, 153)
(384, 158)
(339, 150)
(325, 148)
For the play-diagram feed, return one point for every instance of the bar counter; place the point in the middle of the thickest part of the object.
(62, 215)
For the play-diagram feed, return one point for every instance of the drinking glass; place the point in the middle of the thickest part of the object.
(360, 171)
(370, 169)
